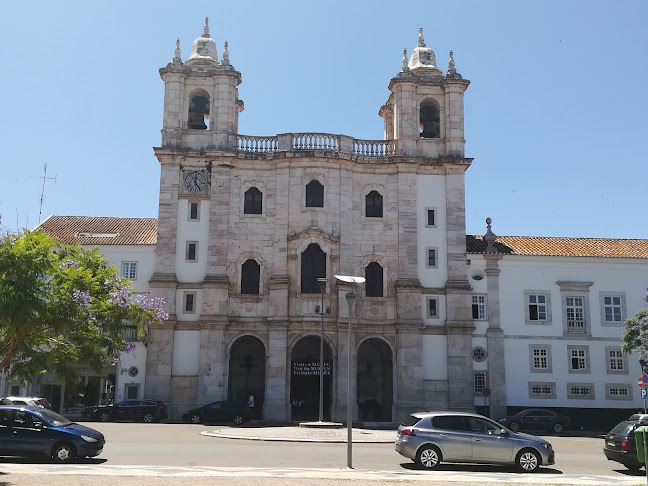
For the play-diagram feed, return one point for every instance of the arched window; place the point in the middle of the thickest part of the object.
(313, 266)
(199, 110)
(314, 194)
(253, 203)
(374, 276)
(374, 205)
(250, 272)
(429, 120)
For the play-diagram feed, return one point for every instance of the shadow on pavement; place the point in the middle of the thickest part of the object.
(483, 468)
(46, 460)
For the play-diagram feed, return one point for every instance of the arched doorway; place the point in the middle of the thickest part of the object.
(247, 372)
(374, 379)
(305, 379)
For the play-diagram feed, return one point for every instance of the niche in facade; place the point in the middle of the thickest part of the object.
(199, 110)
(429, 120)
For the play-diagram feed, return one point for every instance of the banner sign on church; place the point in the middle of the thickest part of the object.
(309, 368)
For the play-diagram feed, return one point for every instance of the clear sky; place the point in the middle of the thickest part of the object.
(556, 113)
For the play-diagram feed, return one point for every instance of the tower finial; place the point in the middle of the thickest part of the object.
(206, 29)
(452, 71)
(226, 54)
(404, 66)
(421, 41)
(176, 57)
(490, 237)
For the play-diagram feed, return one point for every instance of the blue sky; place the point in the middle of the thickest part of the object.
(555, 113)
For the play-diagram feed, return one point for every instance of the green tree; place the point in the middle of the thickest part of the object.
(635, 334)
(63, 305)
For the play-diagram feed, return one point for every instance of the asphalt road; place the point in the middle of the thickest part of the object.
(170, 454)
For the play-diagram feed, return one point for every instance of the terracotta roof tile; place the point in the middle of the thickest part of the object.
(562, 246)
(94, 231)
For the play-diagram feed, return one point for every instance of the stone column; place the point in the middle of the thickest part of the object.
(219, 221)
(276, 406)
(495, 339)
(212, 367)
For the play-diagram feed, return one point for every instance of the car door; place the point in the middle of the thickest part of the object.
(529, 420)
(6, 436)
(545, 419)
(488, 443)
(27, 433)
(121, 411)
(213, 412)
(449, 432)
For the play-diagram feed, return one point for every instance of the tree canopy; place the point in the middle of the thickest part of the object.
(63, 305)
(635, 335)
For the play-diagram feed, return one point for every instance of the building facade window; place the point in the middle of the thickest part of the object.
(479, 382)
(430, 218)
(479, 307)
(192, 251)
(537, 307)
(374, 283)
(314, 194)
(313, 266)
(374, 205)
(129, 270)
(253, 201)
(189, 303)
(431, 260)
(613, 309)
(580, 391)
(575, 311)
(540, 358)
(542, 390)
(250, 277)
(575, 304)
(579, 361)
(479, 354)
(193, 211)
(616, 361)
(618, 391)
(432, 307)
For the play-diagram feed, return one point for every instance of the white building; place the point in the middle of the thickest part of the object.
(247, 224)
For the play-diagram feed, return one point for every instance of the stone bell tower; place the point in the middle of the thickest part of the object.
(201, 104)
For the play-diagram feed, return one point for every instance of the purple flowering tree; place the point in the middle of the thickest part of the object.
(635, 335)
(63, 306)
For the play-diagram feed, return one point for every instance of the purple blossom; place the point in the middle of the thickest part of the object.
(129, 348)
(155, 304)
(645, 296)
(69, 263)
(110, 361)
(81, 297)
(120, 296)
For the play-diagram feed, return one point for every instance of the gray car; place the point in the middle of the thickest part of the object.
(428, 438)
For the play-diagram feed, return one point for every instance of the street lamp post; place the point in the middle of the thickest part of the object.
(351, 299)
(322, 286)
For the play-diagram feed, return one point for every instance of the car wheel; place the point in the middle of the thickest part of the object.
(514, 426)
(148, 418)
(238, 419)
(633, 467)
(195, 419)
(103, 417)
(428, 457)
(527, 460)
(557, 427)
(64, 452)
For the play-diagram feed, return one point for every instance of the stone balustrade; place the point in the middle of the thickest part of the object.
(245, 143)
(374, 148)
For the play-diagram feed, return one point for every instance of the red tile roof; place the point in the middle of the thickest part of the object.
(561, 246)
(94, 231)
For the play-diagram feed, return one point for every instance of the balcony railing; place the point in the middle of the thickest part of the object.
(315, 141)
(575, 326)
(245, 143)
(130, 334)
(373, 148)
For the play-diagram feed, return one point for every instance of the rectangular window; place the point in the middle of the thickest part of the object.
(189, 302)
(479, 382)
(542, 390)
(433, 307)
(575, 315)
(618, 391)
(431, 260)
(537, 307)
(193, 210)
(540, 361)
(430, 217)
(192, 251)
(580, 391)
(129, 270)
(616, 360)
(479, 307)
(612, 307)
(579, 361)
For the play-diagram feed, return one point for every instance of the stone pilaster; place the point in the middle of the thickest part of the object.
(495, 339)
(212, 378)
(165, 249)
(159, 361)
(276, 406)
(409, 371)
(219, 220)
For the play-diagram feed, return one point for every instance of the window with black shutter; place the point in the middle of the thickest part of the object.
(313, 266)
(314, 194)
(374, 283)
(253, 203)
(374, 205)
(250, 272)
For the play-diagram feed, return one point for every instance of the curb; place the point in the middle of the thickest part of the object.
(294, 439)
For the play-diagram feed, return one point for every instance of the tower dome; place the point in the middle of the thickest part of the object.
(422, 60)
(203, 50)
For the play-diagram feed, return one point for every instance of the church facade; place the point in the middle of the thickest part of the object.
(252, 231)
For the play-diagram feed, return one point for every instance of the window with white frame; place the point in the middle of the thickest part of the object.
(578, 359)
(430, 218)
(540, 358)
(194, 212)
(580, 391)
(479, 382)
(618, 391)
(575, 309)
(612, 308)
(129, 270)
(189, 303)
(192, 251)
(432, 307)
(542, 390)
(479, 307)
(616, 361)
(431, 257)
(537, 307)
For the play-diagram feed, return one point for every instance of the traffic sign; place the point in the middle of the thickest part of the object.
(640, 382)
(644, 378)
(486, 391)
(644, 393)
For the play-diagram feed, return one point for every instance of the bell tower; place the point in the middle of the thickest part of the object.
(201, 104)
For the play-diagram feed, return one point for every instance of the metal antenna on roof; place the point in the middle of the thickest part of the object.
(44, 177)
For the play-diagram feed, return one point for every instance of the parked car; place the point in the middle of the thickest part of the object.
(222, 411)
(537, 419)
(429, 438)
(620, 445)
(136, 410)
(30, 401)
(37, 431)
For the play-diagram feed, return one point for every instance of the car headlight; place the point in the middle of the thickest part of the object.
(548, 446)
(88, 439)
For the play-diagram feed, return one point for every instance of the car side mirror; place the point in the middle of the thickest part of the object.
(504, 433)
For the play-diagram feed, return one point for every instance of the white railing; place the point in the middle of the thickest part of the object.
(315, 141)
(245, 143)
(575, 326)
(373, 148)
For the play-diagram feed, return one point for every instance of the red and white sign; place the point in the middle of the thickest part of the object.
(643, 381)
(640, 382)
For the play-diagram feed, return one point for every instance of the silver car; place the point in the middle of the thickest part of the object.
(428, 438)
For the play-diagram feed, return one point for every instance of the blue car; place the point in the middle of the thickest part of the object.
(36, 431)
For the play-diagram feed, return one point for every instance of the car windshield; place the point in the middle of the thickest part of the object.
(53, 418)
(623, 429)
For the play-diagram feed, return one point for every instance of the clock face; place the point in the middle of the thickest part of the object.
(195, 182)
